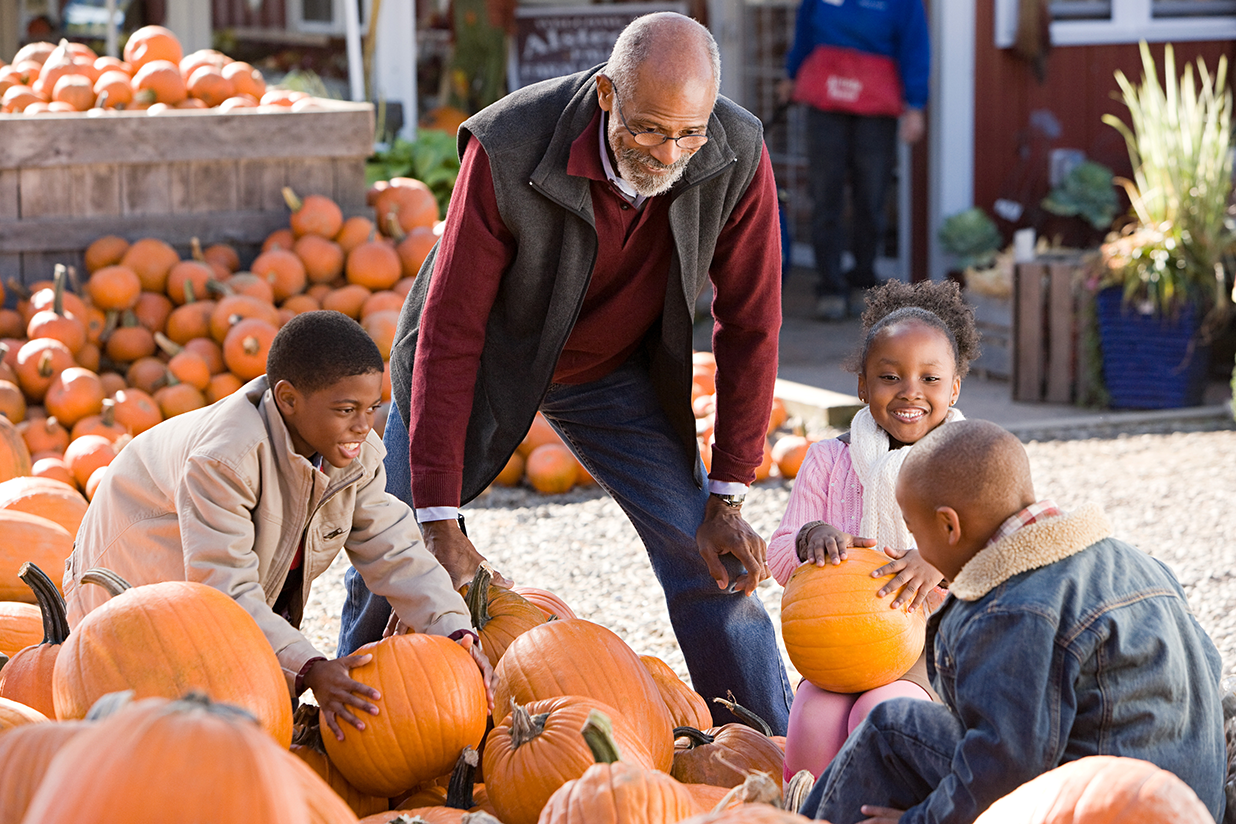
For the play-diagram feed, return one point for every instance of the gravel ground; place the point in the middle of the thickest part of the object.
(1171, 494)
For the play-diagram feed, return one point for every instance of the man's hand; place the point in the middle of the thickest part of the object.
(724, 532)
(337, 693)
(455, 552)
(482, 663)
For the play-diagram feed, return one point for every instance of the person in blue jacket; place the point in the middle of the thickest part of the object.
(862, 68)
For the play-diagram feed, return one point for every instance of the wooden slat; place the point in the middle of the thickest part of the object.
(1028, 332)
(213, 186)
(56, 140)
(350, 186)
(95, 190)
(1061, 336)
(76, 233)
(9, 204)
(311, 177)
(146, 189)
(260, 184)
(45, 192)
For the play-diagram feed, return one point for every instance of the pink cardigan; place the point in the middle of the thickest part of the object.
(826, 489)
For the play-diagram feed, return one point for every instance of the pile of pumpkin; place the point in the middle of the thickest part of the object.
(546, 464)
(583, 730)
(151, 335)
(650, 753)
(154, 76)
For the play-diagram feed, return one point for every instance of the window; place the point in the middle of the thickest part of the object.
(323, 16)
(1086, 22)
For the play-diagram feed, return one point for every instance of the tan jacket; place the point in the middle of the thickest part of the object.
(220, 496)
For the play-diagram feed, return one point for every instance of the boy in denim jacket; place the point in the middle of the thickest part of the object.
(1057, 641)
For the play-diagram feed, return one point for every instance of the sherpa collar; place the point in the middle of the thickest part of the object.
(1033, 546)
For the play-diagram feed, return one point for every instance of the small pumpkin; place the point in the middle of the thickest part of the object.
(25, 537)
(15, 714)
(245, 347)
(839, 635)
(14, 454)
(27, 677)
(54, 500)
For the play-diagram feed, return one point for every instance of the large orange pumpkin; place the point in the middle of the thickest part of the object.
(27, 677)
(549, 603)
(839, 635)
(167, 639)
(14, 454)
(433, 705)
(614, 792)
(1100, 789)
(307, 746)
(577, 657)
(540, 746)
(25, 537)
(56, 501)
(313, 214)
(145, 764)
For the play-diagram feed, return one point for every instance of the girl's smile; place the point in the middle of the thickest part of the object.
(909, 380)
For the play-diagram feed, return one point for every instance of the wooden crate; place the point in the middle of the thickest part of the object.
(66, 180)
(1048, 359)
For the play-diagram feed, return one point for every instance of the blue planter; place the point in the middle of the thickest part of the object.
(1150, 362)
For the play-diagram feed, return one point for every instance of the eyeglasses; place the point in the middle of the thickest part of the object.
(652, 137)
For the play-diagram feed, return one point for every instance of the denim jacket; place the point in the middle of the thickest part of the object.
(1060, 642)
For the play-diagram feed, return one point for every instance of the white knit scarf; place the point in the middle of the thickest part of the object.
(877, 466)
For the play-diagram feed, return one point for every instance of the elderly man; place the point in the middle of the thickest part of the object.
(589, 212)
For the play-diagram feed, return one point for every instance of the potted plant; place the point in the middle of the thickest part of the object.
(1163, 279)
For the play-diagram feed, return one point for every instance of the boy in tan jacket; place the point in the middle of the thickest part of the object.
(256, 494)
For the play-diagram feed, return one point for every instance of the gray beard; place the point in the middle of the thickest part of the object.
(633, 165)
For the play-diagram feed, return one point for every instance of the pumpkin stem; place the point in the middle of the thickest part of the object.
(218, 288)
(58, 279)
(196, 699)
(195, 250)
(168, 345)
(307, 729)
(525, 726)
(598, 734)
(108, 704)
(393, 227)
(107, 579)
(750, 718)
(797, 790)
(190, 297)
(4, 659)
(463, 778)
(50, 601)
(44, 366)
(250, 345)
(697, 738)
(290, 198)
(756, 788)
(108, 415)
(478, 596)
(478, 817)
(18, 288)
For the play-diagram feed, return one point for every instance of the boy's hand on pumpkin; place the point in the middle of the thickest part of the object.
(456, 552)
(482, 663)
(913, 578)
(338, 694)
(820, 543)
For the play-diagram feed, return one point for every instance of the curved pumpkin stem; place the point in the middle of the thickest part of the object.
(171, 347)
(190, 297)
(60, 274)
(756, 788)
(698, 738)
(195, 249)
(751, 719)
(478, 597)
(598, 734)
(478, 817)
(50, 601)
(107, 579)
(524, 726)
(292, 199)
(4, 659)
(18, 288)
(797, 790)
(306, 728)
(463, 779)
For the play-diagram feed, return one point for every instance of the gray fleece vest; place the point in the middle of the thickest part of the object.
(527, 137)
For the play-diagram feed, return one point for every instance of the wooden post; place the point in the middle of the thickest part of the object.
(1028, 332)
(1061, 338)
(10, 22)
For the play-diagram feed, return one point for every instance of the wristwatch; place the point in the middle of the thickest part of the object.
(734, 501)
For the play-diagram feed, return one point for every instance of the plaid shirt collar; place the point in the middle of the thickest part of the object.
(1035, 512)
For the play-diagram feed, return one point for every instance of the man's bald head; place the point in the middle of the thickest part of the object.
(671, 46)
(975, 467)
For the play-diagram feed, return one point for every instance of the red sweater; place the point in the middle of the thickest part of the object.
(625, 298)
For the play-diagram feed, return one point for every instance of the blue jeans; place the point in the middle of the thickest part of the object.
(900, 752)
(618, 430)
(863, 152)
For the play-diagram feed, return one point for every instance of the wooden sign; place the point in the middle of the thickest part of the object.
(554, 41)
